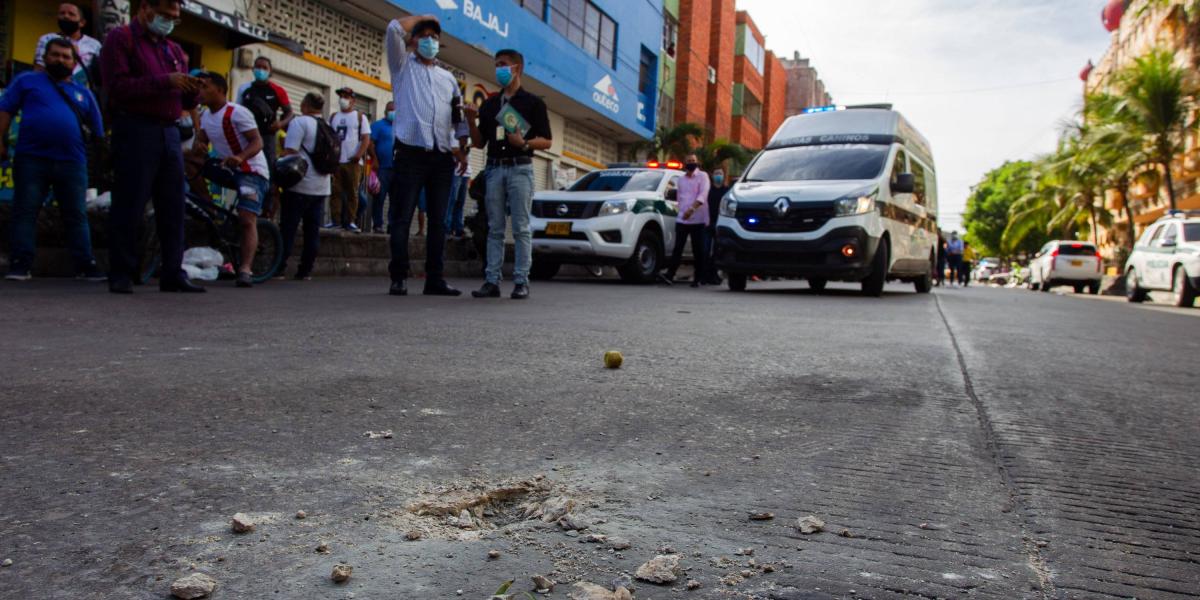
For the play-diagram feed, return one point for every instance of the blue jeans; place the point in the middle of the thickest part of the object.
(458, 199)
(385, 186)
(33, 178)
(509, 189)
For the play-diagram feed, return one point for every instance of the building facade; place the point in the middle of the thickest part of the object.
(596, 63)
(804, 87)
(1137, 28)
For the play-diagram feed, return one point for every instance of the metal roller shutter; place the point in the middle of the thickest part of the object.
(297, 88)
(541, 174)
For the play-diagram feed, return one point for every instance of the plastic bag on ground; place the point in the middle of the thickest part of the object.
(201, 273)
(203, 257)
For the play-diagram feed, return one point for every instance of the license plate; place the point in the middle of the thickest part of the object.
(1077, 263)
(558, 229)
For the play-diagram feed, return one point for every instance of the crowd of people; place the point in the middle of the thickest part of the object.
(159, 114)
(955, 256)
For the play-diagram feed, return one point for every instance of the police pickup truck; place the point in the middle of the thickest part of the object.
(622, 216)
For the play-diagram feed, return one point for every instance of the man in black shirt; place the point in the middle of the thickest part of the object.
(720, 185)
(512, 124)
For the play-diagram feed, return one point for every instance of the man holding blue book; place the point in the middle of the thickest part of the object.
(511, 125)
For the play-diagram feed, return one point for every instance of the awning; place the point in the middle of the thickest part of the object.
(242, 31)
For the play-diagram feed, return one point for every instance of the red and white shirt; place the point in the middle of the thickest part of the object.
(226, 129)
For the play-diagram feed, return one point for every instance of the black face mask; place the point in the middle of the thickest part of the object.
(691, 167)
(68, 27)
(58, 71)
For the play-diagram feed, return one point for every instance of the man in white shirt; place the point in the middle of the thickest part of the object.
(354, 130)
(429, 128)
(71, 25)
(233, 133)
(305, 200)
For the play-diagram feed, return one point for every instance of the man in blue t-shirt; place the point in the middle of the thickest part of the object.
(381, 148)
(51, 153)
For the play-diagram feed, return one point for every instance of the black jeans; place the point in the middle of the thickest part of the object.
(148, 164)
(414, 170)
(699, 235)
(294, 209)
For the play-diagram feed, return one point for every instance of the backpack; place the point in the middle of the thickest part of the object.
(264, 114)
(326, 153)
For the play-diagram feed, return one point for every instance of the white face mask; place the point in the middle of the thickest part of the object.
(345, 103)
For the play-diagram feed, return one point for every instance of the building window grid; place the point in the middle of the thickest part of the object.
(753, 50)
(586, 26)
(670, 34)
(536, 7)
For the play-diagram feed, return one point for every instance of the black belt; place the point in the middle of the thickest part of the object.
(401, 146)
(509, 162)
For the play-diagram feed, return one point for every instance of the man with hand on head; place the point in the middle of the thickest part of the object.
(512, 124)
(148, 85)
(428, 128)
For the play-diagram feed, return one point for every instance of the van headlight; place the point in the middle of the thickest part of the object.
(615, 207)
(729, 205)
(855, 206)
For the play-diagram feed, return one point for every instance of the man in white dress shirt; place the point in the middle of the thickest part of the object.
(428, 129)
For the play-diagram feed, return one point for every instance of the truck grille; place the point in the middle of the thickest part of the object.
(800, 218)
(549, 209)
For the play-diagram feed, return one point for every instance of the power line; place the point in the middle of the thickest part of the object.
(999, 88)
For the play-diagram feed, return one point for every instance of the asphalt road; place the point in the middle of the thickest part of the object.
(973, 443)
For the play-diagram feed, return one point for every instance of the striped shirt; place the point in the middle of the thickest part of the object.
(423, 94)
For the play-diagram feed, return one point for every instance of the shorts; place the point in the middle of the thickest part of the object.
(252, 190)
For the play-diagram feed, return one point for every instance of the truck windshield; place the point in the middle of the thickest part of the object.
(1191, 232)
(619, 181)
(819, 163)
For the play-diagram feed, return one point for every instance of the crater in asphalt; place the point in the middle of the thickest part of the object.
(462, 510)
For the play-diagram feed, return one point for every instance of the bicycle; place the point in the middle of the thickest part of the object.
(217, 226)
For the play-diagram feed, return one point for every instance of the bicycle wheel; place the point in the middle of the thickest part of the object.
(269, 255)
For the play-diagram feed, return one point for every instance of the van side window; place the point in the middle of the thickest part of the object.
(918, 171)
(1157, 232)
(900, 165)
(1170, 234)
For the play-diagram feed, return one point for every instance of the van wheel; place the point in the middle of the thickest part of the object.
(873, 285)
(817, 284)
(543, 269)
(1185, 294)
(1134, 292)
(736, 282)
(647, 257)
(924, 283)
(1079, 288)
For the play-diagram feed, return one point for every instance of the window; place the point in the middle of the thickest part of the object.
(899, 165)
(582, 23)
(819, 163)
(752, 108)
(1191, 232)
(752, 50)
(1170, 234)
(618, 181)
(1157, 232)
(670, 34)
(1076, 250)
(918, 171)
(646, 73)
(537, 7)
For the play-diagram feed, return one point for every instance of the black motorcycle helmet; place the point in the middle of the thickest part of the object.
(290, 170)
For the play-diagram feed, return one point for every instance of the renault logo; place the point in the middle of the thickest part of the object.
(782, 205)
(563, 210)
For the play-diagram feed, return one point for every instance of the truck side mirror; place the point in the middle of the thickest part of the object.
(905, 184)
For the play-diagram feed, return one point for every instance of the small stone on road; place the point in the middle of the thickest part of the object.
(196, 585)
(663, 568)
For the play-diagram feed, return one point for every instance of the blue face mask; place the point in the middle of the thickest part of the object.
(391, 115)
(718, 179)
(261, 74)
(427, 47)
(161, 25)
(504, 75)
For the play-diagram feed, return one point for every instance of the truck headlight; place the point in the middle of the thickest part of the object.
(855, 206)
(729, 205)
(615, 207)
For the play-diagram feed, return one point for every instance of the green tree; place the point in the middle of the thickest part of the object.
(1155, 102)
(673, 143)
(988, 207)
(723, 153)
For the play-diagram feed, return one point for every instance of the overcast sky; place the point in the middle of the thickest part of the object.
(941, 61)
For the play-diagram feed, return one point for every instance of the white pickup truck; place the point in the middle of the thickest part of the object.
(623, 216)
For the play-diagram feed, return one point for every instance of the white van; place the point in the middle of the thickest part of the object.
(839, 194)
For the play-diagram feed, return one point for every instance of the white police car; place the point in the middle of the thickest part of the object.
(1166, 257)
(623, 216)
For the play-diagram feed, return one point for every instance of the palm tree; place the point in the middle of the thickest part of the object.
(721, 152)
(1121, 147)
(1155, 102)
(675, 142)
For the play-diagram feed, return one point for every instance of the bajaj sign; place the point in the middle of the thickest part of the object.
(475, 11)
(605, 94)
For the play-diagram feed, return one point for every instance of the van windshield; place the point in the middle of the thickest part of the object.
(819, 163)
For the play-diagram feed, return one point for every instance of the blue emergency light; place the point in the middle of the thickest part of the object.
(820, 109)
